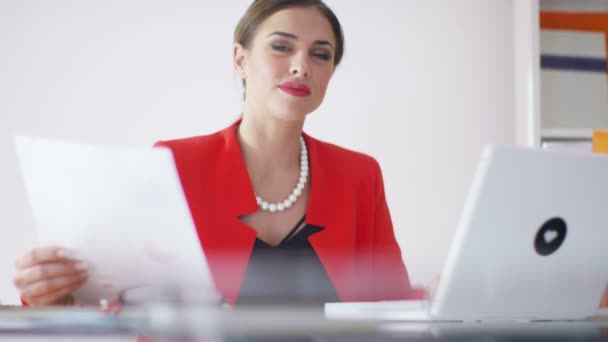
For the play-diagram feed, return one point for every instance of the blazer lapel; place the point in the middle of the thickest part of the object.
(333, 244)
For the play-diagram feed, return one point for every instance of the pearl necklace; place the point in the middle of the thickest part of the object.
(297, 191)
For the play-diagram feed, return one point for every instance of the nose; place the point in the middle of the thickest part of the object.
(299, 66)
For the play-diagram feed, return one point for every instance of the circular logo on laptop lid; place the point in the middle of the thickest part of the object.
(550, 236)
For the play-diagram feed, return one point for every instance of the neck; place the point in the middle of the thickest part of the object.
(269, 145)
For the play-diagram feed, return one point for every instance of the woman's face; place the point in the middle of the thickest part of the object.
(289, 64)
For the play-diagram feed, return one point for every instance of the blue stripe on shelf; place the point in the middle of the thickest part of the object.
(573, 63)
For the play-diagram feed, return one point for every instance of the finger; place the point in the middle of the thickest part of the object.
(41, 255)
(49, 286)
(53, 298)
(113, 307)
(44, 271)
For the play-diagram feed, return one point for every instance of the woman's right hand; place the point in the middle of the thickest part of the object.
(48, 276)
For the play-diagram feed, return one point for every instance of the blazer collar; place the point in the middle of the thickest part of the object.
(240, 191)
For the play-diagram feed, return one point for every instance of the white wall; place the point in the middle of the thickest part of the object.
(423, 85)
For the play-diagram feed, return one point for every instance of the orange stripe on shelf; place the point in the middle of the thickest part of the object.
(600, 141)
(577, 21)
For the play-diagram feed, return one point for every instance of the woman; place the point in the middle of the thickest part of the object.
(279, 214)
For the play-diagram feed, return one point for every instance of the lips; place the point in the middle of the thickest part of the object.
(295, 89)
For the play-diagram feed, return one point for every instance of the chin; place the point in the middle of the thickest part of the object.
(291, 117)
(293, 113)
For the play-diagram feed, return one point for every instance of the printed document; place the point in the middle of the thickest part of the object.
(120, 210)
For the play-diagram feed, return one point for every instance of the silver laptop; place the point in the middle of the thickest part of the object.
(532, 244)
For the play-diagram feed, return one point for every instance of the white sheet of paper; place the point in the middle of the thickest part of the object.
(121, 210)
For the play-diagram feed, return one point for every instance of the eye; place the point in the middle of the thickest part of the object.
(279, 47)
(322, 55)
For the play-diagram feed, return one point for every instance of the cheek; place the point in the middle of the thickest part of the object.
(269, 70)
(323, 79)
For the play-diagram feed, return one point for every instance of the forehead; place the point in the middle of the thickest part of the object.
(308, 24)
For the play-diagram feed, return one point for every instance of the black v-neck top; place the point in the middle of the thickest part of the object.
(290, 272)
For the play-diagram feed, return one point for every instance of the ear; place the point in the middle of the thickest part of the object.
(240, 60)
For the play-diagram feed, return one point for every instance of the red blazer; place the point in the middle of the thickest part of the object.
(357, 248)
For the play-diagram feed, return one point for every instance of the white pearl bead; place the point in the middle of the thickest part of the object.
(264, 205)
(281, 207)
(272, 208)
(293, 197)
(297, 191)
(287, 203)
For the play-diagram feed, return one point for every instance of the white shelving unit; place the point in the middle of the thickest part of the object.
(573, 100)
(567, 134)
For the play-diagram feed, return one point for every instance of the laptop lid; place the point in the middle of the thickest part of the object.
(532, 239)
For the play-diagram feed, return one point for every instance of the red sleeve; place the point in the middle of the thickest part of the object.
(391, 281)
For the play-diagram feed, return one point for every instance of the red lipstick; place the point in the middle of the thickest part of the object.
(295, 89)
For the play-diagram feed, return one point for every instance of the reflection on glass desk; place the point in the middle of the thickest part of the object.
(270, 323)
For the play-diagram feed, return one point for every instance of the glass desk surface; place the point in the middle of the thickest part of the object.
(270, 323)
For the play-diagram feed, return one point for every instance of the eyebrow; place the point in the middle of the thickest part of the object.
(293, 36)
